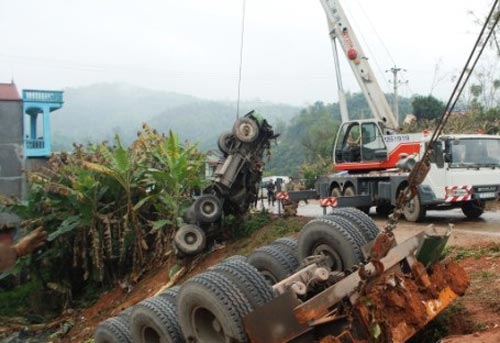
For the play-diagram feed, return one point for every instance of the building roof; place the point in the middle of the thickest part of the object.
(8, 92)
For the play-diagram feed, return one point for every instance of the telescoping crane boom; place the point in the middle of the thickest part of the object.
(342, 33)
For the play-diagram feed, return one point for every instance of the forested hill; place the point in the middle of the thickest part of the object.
(97, 112)
(312, 133)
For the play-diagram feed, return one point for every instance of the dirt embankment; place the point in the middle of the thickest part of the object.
(476, 315)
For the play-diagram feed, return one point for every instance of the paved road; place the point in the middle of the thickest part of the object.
(466, 231)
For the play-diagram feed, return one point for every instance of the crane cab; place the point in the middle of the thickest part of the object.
(364, 145)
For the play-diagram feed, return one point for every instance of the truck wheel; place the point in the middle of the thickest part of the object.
(414, 211)
(155, 320)
(289, 243)
(273, 262)
(113, 330)
(225, 143)
(236, 258)
(207, 208)
(361, 220)
(211, 309)
(170, 294)
(190, 239)
(353, 230)
(252, 274)
(242, 282)
(189, 216)
(473, 209)
(246, 130)
(323, 236)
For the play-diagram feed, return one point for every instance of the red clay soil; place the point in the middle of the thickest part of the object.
(489, 336)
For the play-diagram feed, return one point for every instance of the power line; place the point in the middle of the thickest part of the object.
(241, 58)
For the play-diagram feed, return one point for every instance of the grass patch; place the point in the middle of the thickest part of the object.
(461, 253)
(16, 302)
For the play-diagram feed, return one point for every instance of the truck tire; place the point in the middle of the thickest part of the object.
(289, 243)
(473, 209)
(242, 282)
(252, 274)
(189, 216)
(226, 143)
(273, 262)
(211, 308)
(155, 320)
(207, 208)
(170, 294)
(245, 130)
(113, 330)
(349, 191)
(361, 220)
(353, 230)
(414, 211)
(323, 236)
(236, 258)
(335, 192)
(190, 239)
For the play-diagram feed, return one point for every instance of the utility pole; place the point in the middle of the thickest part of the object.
(395, 103)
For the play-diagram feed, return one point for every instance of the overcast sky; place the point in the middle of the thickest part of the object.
(192, 46)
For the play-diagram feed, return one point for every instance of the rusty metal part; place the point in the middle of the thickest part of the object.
(384, 242)
(345, 337)
(321, 304)
(397, 305)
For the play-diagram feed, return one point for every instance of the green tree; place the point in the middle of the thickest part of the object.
(427, 107)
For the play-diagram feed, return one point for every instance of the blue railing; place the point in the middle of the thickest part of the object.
(42, 96)
(38, 143)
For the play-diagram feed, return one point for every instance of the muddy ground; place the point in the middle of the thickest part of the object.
(475, 244)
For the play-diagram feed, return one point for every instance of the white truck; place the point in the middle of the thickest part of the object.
(372, 159)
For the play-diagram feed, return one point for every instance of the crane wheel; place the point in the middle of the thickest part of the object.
(473, 209)
(207, 208)
(155, 320)
(113, 330)
(274, 262)
(190, 239)
(211, 308)
(360, 220)
(324, 236)
(245, 130)
(414, 211)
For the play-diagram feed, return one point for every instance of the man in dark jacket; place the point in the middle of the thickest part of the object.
(270, 192)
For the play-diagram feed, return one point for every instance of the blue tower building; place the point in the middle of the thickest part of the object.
(37, 108)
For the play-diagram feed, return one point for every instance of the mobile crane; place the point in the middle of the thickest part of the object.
(372, 159)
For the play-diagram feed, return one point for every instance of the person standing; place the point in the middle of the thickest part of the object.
(270, 192)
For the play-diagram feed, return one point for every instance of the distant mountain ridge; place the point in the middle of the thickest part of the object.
(97, 112)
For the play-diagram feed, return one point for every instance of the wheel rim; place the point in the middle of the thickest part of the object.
(208, 208)
(150, 335)
(190, 238)
(335, 193)
(334, 260)
(411, 207)
(207, 327)
(269, 277)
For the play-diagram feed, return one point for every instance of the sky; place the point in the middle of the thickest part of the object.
(193, 46)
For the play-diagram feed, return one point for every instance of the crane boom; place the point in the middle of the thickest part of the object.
(342, 32)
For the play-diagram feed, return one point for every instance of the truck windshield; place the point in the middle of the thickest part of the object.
(475, 152)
